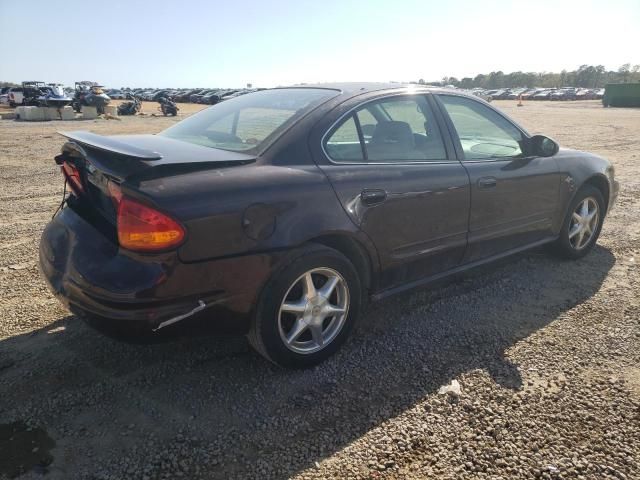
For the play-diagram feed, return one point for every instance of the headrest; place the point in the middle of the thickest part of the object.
(393, 133)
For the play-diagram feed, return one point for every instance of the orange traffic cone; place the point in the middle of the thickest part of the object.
(520, 104)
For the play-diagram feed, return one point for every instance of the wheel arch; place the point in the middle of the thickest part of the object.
(600, 182)
(355, 251)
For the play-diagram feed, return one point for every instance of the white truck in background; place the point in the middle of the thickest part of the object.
(15, 96)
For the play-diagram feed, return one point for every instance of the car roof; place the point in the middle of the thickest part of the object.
(353, 89)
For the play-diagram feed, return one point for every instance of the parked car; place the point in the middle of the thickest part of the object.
(16, 96)
(585, 94)
(481, 94)
(184, 96)
(515, 94)
(543, 95)
(240, 93)
(160, 94)
(196, 98)
(280, 213)
(500, 94)
(217, 97)
(564, 94)
(117, 94)
(529, 94)
(4, 95)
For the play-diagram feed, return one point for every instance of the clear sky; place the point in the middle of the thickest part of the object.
(192, 43)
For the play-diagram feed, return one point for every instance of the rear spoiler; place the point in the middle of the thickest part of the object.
(108, 144)
(134, 159)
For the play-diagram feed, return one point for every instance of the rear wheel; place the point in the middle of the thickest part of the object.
(308, 309)
(582, 224)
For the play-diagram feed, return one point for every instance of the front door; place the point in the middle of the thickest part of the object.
(387, 161)
(513, 194)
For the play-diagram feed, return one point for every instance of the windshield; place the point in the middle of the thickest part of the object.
(249, 122)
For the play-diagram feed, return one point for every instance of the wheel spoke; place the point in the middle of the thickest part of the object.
(584, 208)
(296, 308)
(308, 286)
(577, 217)
(580, 238)
(328, 288)
(316, 334)
(333, 310)
(588, 229)
(295, 332)
(575, 230)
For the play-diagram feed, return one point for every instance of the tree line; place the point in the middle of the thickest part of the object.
(587, 76)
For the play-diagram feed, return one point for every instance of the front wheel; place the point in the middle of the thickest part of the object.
(307, 309)
(582, 224)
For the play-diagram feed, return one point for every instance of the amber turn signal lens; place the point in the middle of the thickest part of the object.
(142, 228)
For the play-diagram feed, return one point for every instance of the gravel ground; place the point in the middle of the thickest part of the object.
(546, 353)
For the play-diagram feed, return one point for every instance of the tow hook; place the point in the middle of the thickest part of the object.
(201, 306)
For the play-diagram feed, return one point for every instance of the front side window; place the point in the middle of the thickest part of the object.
(249, 122)
(390, 130)
(484, 134)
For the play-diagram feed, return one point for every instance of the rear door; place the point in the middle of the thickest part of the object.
(398, 179)
(513, 194)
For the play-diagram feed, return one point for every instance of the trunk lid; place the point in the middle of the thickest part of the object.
(129, 159)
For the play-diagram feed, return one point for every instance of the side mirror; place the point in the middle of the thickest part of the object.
(542, 146)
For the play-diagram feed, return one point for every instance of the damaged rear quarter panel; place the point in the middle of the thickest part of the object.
(251, 208)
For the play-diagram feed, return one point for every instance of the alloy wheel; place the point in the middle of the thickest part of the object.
(584, 222)
(313, 311)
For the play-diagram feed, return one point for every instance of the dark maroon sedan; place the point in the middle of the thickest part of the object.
(280, 213)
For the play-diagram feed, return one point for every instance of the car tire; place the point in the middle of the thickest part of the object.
(579, 235)
(293, 325)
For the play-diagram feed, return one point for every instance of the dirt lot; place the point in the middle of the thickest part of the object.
(547, 353)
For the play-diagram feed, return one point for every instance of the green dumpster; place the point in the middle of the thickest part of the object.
(621, 95)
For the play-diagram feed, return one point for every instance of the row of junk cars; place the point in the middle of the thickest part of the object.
(91, 93)
(216, 95)
(207, 96)
(36, 93)
(564, 93)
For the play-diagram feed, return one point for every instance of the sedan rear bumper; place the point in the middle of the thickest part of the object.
(144, 294)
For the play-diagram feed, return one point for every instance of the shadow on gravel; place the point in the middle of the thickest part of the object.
(237, 415)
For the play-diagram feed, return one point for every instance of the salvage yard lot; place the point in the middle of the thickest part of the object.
(547, 353)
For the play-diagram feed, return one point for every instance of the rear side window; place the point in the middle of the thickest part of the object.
(484, 134)
(249, 123)
(389, 130)
(344, 144)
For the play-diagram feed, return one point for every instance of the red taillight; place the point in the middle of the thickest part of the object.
(145, 229)
(72, 175)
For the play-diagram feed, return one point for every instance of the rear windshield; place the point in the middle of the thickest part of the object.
(248, 123)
